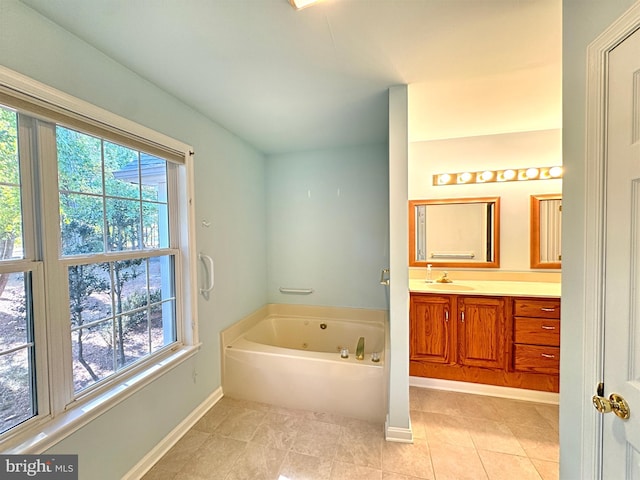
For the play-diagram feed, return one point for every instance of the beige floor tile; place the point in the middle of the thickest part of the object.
(257, 462)
(183, 450)
(214, 417)
(439, 401)
(493, 436)
(479, 406)
(240, 423)
(414, 397)
(454, 462)
(501, 466)
(348, 471)
(297, 466)
(277, 430)
(447, 429)
(551, 414)
(418, 427)
(214, 458)
(159, 472)
(412, 459)
(317, 438)
(518, 412)
(470, 437)
(547, 470)
(360, 449)
(540, 443)
(396, 476)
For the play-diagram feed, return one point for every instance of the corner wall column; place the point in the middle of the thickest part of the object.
(398, 424)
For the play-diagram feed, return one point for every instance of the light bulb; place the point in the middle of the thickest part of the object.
(444, 179)
(532, 173)
(465, 177)
(555, 172)
(509, 174)
(487, 175)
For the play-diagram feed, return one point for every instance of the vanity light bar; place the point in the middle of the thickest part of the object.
(490, 176)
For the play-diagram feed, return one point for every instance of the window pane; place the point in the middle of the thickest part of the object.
(89, 298)
(79, 162)
(162, 288)
(123, 220)
(17, 376)
(14, 327)
(154, 178)
(121, 171)
(81, 224)
(135, 337)
(156, 225)
(163, 326)
(10, 201)
(16, 389)
(92, 354)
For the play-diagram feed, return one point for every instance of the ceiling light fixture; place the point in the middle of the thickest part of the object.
(300, 4)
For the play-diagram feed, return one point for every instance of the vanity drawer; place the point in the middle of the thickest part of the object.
(542, 308)
(537, 331)
(538, 359)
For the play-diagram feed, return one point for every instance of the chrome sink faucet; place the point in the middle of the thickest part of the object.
(360, 349)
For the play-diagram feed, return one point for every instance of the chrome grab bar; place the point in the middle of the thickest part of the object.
(297, 291)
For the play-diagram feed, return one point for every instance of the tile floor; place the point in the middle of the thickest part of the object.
(456, 436)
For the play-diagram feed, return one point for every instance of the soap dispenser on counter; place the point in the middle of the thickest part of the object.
(428, 279)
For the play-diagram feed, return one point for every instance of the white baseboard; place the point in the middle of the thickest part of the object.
(481, 389)
(397, 434)
(157, 452)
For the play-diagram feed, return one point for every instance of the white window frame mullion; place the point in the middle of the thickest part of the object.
(27, 152)
(56, 277)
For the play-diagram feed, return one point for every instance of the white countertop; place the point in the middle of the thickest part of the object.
(488, 287)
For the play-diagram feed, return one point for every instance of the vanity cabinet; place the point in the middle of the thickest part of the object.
(495, 340)
(481, 331)
(430, 323)
(536, 335)
(450, 329)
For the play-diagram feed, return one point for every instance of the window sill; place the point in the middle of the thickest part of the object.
(47, 432)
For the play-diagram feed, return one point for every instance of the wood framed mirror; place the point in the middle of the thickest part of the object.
(455, 232)
(545, 245)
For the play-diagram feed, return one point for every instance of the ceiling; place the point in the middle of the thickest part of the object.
(287, 81)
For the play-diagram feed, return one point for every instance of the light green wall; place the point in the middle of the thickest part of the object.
(230, 193)
(583, 21)
(328, 226)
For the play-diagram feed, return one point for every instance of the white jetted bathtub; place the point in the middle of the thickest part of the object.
(290, 355)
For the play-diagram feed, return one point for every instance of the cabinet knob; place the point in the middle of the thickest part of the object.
(548, 327)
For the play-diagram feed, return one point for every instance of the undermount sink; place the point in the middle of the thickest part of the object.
(450, 286)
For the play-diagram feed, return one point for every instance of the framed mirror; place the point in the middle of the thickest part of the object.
(546, 229)
(455, 232)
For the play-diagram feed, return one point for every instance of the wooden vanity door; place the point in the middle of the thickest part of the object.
(431, 325)
(481, 333)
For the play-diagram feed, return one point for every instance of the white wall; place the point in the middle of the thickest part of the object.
(508, 150)
(583, 21)
(230, 193)
(328, 226)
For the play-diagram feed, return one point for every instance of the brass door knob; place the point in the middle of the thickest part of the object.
(615, 403)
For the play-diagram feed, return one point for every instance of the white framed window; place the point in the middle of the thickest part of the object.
(97, 277)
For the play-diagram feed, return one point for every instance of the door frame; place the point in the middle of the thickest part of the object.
(595, 221)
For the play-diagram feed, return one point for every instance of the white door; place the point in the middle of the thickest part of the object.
(621, 438)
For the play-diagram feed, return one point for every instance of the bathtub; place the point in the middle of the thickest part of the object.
(290, 356)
